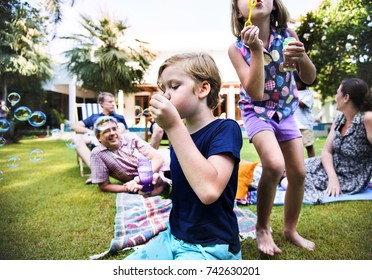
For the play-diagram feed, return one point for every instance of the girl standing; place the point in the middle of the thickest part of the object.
(268, 101)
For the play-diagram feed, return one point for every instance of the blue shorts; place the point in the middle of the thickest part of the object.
(165, 246)
(285, 130)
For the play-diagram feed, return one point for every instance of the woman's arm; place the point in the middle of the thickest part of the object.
(368, 125)
(333, 188)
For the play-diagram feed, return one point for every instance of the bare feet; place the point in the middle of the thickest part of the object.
(299, 241)
(265, 243)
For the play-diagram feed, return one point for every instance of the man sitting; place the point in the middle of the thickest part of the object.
(85, 135)
(116, 156)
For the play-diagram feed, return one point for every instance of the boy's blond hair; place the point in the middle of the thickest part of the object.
(200, 67)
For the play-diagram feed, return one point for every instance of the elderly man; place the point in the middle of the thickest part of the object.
(116, 156)
(83, 128)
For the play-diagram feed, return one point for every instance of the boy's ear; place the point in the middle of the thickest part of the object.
(204, 89)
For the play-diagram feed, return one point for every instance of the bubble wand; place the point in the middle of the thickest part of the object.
(251, 6)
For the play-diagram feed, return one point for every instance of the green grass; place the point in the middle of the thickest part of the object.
(48, 213)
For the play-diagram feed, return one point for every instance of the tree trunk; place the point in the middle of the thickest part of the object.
(5, 89)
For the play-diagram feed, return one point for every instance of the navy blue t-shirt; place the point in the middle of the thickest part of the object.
(190, 219)
(89, 122)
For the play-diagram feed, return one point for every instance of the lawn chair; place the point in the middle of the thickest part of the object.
(84, 110)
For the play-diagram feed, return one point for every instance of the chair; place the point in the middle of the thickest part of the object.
(84, 110)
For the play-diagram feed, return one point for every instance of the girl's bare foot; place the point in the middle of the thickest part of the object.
(265, 243)
(299, 241)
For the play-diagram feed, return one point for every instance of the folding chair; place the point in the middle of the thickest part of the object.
(84, 110)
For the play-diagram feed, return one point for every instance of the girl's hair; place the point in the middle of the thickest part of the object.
(200, 67)
(359, 92)
(279, 17)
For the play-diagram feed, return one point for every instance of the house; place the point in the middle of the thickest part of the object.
(64, 91)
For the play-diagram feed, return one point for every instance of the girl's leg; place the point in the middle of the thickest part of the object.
(272, 169)
(295, 170)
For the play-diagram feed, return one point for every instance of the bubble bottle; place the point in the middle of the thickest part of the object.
(285, 44)
(145, 174)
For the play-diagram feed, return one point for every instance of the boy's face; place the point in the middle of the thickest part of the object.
(180, 88)
(109, 135)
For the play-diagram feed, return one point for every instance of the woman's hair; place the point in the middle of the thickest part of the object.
(101, 96)
(101, 120)
(279, 17)
(200, 67)
(359, 92)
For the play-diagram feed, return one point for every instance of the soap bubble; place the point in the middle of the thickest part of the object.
(2, 141)
(147, 112)
(14, 98)
(22, 113)
(37, 119)
(13, 162)
(4, 110)
(138, 111)
(36, 155)
(4, 125)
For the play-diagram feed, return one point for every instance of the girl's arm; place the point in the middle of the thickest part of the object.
(251, 76)
(296, 52)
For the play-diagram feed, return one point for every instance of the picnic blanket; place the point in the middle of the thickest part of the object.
(251, 197)
(138, 219)
(250, 174)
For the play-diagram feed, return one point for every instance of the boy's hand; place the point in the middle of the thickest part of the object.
(163, 111)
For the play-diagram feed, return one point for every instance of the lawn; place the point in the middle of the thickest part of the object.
(48, 213)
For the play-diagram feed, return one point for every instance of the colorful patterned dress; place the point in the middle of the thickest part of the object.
(352, 160)
(280, 97)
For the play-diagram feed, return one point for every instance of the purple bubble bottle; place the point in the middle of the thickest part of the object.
(145, 174)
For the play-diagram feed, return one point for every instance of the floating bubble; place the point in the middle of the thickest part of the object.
(2, 141)
(36, 155)
(147, 112)
(4, 125)
(22, 113)
(138, 111)
(14, 98)
(13, 162)
(1, 176)
(37, 119)
(4, 110)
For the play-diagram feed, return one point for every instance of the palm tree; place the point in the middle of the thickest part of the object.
(103, 60)
(22, 45)
(53, 7)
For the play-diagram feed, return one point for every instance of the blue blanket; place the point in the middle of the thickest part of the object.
(138, 219)
(251, 197)
(366, 195)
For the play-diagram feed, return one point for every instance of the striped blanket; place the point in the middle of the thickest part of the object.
(138, 219)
